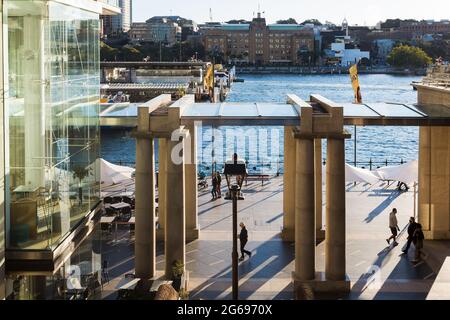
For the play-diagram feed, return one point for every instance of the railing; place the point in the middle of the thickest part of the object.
(276, 168)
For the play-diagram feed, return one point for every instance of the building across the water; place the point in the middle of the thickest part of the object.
(118, 24)
(260, 43)
(163, 29)
(49, 144)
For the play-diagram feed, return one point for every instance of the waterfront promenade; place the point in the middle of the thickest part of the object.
(267, 275)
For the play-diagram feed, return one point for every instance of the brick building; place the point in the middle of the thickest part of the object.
(426, 27)
(259, 43)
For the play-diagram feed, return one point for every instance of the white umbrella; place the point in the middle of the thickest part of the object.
(407, 173)
(111, 174)
(353, 174)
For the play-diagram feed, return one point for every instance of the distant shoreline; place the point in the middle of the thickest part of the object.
(321, 72)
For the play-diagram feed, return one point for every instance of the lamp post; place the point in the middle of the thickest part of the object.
(234, 189)
(238, 169)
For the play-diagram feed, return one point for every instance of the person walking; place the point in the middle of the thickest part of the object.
(418, 238)
(243, 237)
(411, 228)
(219, 187)
(393, 225)
(214, 186)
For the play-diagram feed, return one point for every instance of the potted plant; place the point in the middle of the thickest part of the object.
(177, 274)
(80, 173)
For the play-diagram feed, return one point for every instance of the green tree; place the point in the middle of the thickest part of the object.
(238, 21)
(130, 54)
(312, 21)
(108, 53)
(405, 56)
(288, 21)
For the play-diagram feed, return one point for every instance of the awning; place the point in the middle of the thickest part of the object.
(407, 173)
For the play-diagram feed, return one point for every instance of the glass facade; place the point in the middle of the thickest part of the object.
(79, 278)
(52, 105)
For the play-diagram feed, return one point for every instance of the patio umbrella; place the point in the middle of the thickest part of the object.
(353, 174)
(407, 173)
(111, 174)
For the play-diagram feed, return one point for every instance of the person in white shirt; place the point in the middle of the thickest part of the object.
(393, 225)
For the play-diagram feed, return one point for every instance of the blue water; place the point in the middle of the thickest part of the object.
(379, 144)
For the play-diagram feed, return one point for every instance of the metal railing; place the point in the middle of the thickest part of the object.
(276, 168)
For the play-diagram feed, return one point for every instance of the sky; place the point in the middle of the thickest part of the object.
(357, 12)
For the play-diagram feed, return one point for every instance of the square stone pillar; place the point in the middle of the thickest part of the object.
(289, 186)
(434, 186)
(162, 187)
(335, 259)
(191, 185)
(305, 238)
(145, 236)
(320, 233)
(175, 228)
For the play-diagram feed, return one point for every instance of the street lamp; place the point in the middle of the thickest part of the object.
(237, 168)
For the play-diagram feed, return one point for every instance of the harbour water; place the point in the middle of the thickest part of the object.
(263, 147)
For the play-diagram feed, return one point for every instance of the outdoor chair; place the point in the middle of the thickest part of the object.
(127, 200)
(117, 200)
(110, 212)
(107, 200)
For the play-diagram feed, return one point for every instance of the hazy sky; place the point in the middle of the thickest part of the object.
(356, 11)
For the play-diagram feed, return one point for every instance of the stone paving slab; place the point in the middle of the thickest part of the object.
(267, 275)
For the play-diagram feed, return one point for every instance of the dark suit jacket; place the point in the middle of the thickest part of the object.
(243, 236)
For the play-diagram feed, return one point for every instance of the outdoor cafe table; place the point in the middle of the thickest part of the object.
(120, 205)
(107, 220)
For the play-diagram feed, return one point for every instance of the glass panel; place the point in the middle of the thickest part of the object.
(53, 120)
(202, 110)
(277, 110)
(123, 111)
(358, 110)
(393, 110)
(239, 110)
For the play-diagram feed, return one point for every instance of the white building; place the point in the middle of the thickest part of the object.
(345, 53)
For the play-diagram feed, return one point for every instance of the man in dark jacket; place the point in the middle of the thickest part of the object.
(411, 228)
(243, 237)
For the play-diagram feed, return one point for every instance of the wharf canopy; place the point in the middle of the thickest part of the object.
(285, 114)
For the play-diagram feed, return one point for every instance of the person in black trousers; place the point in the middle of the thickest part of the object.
(243, 237)
(411, 228)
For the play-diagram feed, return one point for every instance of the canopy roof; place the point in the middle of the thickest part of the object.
(282, 114)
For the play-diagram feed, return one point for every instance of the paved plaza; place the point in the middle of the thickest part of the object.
(376, 270)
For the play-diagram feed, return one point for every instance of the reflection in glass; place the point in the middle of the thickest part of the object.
(53, 53)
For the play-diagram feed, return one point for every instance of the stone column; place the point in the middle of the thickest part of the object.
(145, 252)
(162, 187)
(305, 238)
(320, 233)
(289, 186)
(335, 211)
(175, 229)
(192, 229)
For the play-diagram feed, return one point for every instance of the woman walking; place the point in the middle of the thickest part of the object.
(219, 187)
(214, 186)
(418, 238)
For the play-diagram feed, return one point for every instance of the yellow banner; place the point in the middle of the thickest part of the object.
(209, 78)
(355, 83)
